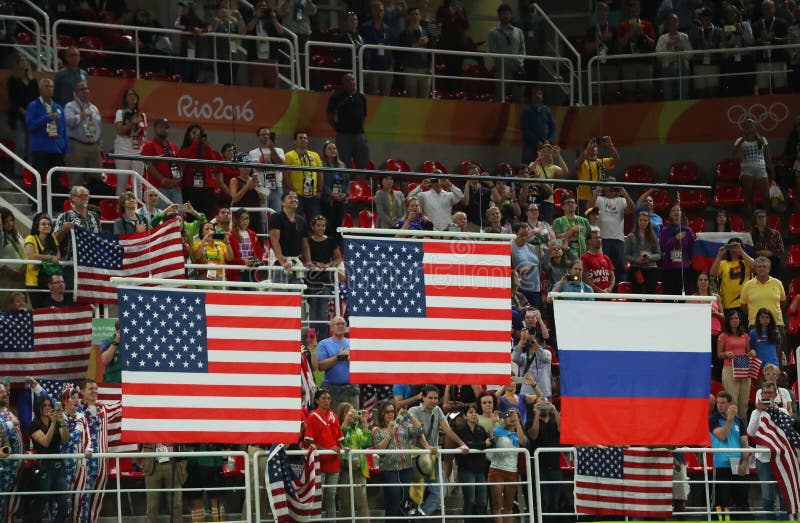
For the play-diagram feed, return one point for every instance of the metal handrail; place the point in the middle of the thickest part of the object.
(37, 182)
(50, 65)
(313, 43)
(37, 38)
(564, 41)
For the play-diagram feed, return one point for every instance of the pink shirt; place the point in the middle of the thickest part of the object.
(735, 344)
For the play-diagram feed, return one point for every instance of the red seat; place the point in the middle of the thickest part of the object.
(64, 41)
(794, 288)
(624, 287)
(367, 219)
(24, 38)
(430, 165)
(659, 288)
(696, 223)
(370, 165)
(639, 173)
(727, 195)
(413, 185)
(235, 469)
(96, 70)
(737, 223)
(27, 179)
(465, 165)
(728, 170)
(683, 172)
(774, 222)
(793, 258)
(660, 200)
(110, 179)
(397, 165)
(692, 198)
(504, 169)
(558, 196)
(175, 78)
(794, 223)
(109, 210)
(360, 192)
(126, 73)
(347, 221)
(92, 47)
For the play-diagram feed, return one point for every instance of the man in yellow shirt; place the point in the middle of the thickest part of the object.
(767, 292)
(590, 167)
(307, 184)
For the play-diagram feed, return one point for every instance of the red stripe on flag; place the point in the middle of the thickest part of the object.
(221, 413)
(174, 389)
(466, 248)
(222, 367)
(438, 356)
(467, 313)
(418, 375)
(246, 323)
(215, 436)
(428, 334)
(470, 292)
(482, 271)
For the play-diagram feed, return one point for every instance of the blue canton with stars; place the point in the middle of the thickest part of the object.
(599, 462)
(16, 331)
(102, 251)
(786, 423)
(385, 278)
(163, 331)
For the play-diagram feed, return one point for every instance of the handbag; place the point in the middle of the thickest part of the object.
(49, 268)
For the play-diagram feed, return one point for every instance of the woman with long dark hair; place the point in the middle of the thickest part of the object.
(131, 127)
(207, 250)
(41, 244)
(324, 431)
(676, 241)
(734, 267)
(472, 467)
(12, 276)
(717, 316)
(335, 188)
(733, 342)
(244, 193)
(764, 338)
(356, 437)
(643, 252)
(47, 430)
(324, 254)
(503, 475)
(198, 182)
(246, 246)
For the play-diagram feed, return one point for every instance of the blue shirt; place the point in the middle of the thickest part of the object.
(339, 374)
(402, 390)
(764, 349)
(36, 119)
(733, 441)
(537, 125)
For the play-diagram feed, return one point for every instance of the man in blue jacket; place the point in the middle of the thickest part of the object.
(47, 131)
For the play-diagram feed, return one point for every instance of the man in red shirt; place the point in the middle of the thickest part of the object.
(167, 177)
(598, 271)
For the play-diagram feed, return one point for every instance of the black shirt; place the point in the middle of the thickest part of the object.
(292, 232)
(50, 302)
(55, 443)
(548, 437)
(350, 110)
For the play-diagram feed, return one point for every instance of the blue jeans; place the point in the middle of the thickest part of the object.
(434, 498)
(769, 491)
(475, 496)
(615, 250)
(330, 480)
(676, 88)
(396, 493)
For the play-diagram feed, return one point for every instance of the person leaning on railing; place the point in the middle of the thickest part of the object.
(210, 249)
(41, 245)
(246, 247)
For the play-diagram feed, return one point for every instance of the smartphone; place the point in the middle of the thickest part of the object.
(730, 247)
(559, 242)
(181, 208)
(359, 413)
(729, 28)
(218, 236)
(58, 406)
(572, 277)
(272, 136)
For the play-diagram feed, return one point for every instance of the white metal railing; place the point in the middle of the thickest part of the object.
(34, 51)
(48, 59)
(598, 61)
(37, 178)
(341, 70)
(561, 39)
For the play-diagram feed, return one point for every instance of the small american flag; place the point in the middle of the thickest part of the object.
(776, 432)
(210, 366)
(157, 253)
(46, 343)
(294, 498)
(746, 367)
(635, 482)
(428, 311)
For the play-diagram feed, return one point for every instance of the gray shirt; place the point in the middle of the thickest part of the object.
(431, 420)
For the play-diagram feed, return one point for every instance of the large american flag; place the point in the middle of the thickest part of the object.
(746, 367)
(634, 482)
(156, 253)
(291, 497)
(776, 432)
(46, 343)
(110, 394)
(428, 311)
(210, 366)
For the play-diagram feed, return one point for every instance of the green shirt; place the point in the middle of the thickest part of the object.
(113, 372)
(190, 230)
(563, 224)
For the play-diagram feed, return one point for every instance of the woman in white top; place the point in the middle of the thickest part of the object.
(507, 433)
(131, 125)
(784, 398)
(753, 150)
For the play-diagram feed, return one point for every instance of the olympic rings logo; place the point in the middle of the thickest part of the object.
(765, 119)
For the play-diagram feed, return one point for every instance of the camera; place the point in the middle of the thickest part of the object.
(543, 406)
(532, 330)
(218, 236)
(572, 278)
(181, 208)
(359, 413)
(766, 401)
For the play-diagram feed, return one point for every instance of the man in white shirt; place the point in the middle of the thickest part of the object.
(614, 203)
(437, 203)
(769, 490)
(270, 181)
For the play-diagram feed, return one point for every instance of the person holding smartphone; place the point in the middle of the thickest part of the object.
(212, 248)
(769, 489)
(48, 429)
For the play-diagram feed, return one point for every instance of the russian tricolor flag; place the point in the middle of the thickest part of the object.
(706, 245)
(634, 373)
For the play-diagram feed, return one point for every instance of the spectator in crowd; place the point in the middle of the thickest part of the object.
(245, 192)
(472, 467)
(437, 203)
(229, 23)
(68, 76)
(753, 150)
(110, 356)
(333, 357)
(189, 22)
(84, 128)
(306, 184)
(507, 39)
(590, 167)
(11, 436)
(288, 237)
(377, 63)
(451, 17)
(296, 16)
(79, 215)
(572, 282)
(416, 66)
(533, 362)
(130, 222)
(770, 30)
(205, 473)
(676, 240)
(459, 221)
(76, 442)
(783, 398)
(268, 152)
(593, 215)
(324, 432)
(548, 164)
(47, 131)
(389, 203)
(209, 249)
(525, 261)
(600, 41)
(734, 267)
(706, 36)
(324, 254)
(22, 90)
(347, 110)
(16, 301)
(722, 221)
(487, 405)
(190, 229)
(636, 36)
(56, 298)
(12, 246)
(717, 316)
(643, 253)
(767, 241)
(503, 197)
(769, 490)
(539, 231)
(508, 434)
(614, 203)
(736, 33)
(599, 271)
(764, 339)
(41, 245)
(47, 430)
(356, 437)
(728, 431)
(148, 211)
(532, 318)
(349, 35)
(245, 244)
(131, 127)
(335, 188)
(555, 263)
(164, 473)
(508, 399)
(646, 203)
(164, 175)
(763, 291)
(477, 198)
(733, 342)
(675, 67)
(571, 229)
(223, 174)
(395, 430)
(263, 55)
(197, 181)
(544, 432)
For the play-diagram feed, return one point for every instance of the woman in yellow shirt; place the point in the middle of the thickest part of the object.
(734, 267)
(41, 245)
(211, 248)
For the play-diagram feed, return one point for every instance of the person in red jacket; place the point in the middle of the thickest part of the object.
(198, 181)
(324, 432)
(247, 247)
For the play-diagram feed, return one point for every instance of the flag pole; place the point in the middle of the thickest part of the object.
(426, 234)
(74, 243)
(119, 281)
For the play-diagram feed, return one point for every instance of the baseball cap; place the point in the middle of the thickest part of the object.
(243, 157)
(591, 210)
(516, 320)
(161, 121)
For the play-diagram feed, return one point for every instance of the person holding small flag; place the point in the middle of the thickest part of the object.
(734, 343)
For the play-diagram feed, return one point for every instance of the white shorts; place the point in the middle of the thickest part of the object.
(756, 171)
